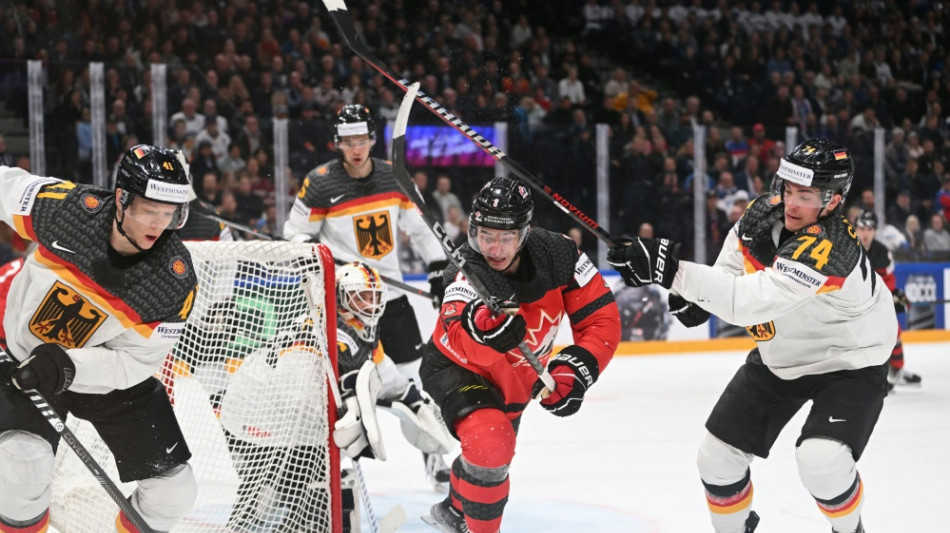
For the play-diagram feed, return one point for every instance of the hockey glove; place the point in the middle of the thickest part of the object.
(645, 261)
(357, 431)
(574, 370)
(900, 301)
(688, 313)
(48, 369)
(501, 333)
(436, 285)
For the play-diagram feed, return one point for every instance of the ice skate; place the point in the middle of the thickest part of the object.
(900, 376)
(751, 522)
(437, 472)
(445, 518)
(859, 530)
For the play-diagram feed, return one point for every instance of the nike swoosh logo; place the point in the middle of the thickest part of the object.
(335, 199)
(833, 419)
(746, 238)
(170, 450)
(56, 246)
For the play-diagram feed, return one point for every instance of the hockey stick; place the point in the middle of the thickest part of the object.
(406, 184)
(67, 435)
(401, 285)
(344, 22)
(397, 515)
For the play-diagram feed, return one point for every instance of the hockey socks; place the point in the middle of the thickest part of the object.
(844, 510)
(730, 505)
(39, 525)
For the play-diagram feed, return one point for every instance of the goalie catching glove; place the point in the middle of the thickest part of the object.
(357, 431)
(644, 261)
(574, 370)
(688, 313)
(501, 333)
(48, 369)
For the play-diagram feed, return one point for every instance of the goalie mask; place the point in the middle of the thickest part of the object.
(820, 163)
(361, 297)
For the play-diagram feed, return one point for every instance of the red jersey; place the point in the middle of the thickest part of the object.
(554, 281)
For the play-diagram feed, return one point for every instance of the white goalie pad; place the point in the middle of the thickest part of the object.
(359, 427)
(424, 428)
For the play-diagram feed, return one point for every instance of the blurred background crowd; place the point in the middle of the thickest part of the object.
(650, 70)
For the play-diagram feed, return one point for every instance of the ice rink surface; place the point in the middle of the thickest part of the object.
(626, 461)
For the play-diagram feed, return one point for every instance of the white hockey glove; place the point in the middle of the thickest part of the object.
(357, 431)
(420, 421)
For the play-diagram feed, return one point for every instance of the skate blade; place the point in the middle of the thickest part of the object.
(428, 519)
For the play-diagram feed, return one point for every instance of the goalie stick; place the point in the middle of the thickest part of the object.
(405, 183)
(401, 285)
(396, 516)
(67, 435)
(341, 16)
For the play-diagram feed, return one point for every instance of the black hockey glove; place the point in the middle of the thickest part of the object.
(501, 333)
(574, 370)
(645, 261)
(901, 303)
(436, 285)
(688, 313)
(48, 369)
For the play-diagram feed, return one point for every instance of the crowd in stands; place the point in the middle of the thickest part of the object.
(649, 69)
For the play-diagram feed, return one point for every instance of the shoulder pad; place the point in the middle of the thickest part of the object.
(829, 246)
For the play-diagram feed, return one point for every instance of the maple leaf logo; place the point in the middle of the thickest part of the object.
(547, 326)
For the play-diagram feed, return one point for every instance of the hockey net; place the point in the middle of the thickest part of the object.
(248, 384)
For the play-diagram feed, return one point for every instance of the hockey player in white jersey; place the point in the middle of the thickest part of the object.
(90, 316)
(794, 273)
(353, 206)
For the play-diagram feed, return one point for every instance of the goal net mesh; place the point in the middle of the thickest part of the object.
(248, 383)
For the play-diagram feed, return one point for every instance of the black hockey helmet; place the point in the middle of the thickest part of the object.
(867, 219)
(354, 119)
(155, 174)
(502, 204)
(820, 163)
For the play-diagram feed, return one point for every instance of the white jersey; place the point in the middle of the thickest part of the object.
(358, 218)
(116, 317)
(810, 300)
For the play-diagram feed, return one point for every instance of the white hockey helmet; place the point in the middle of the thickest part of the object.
(361, 296)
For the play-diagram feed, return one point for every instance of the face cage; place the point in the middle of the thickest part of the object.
(370, 312)
(178, 219)
(778, 189)
(473, 237)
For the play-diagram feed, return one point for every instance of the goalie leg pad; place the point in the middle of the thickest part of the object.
(422, 426)
(394, 382)
(357, 431)
(26, 471)
(163, 500)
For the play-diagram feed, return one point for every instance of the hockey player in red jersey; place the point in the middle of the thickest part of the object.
(883, 263)
(472, 366)
(90, 318)
(793, 272)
